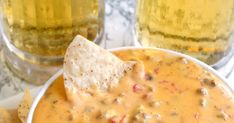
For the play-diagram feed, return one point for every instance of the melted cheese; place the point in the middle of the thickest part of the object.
(162, 88)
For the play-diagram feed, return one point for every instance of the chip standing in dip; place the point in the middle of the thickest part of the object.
(157, 87)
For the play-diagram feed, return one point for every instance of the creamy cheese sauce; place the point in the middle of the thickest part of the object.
(161, 88)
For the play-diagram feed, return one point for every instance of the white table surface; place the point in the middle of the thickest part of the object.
(119, 14)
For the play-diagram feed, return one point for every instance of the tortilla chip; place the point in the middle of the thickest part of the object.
(8, 116)
(24, 106)
(88, 65)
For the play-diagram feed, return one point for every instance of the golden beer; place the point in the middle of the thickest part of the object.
(46, 27)
(200, 28)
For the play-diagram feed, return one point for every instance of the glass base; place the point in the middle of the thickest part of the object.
(226, 67)
(32, 73)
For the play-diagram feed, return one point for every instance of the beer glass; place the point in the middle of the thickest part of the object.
(200, 28)
(37, 32)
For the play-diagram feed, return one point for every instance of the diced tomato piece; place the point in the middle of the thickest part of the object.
(137, 87)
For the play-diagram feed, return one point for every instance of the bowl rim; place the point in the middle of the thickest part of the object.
(196, 61)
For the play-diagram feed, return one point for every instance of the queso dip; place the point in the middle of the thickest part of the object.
(161, 88)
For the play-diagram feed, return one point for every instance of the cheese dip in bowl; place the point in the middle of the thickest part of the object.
(163, 86)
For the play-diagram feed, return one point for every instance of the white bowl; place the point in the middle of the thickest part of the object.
(53, 78)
